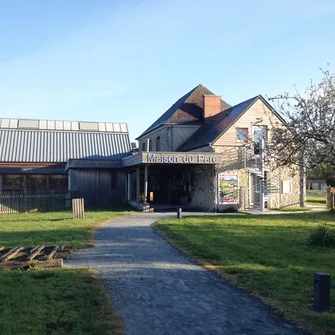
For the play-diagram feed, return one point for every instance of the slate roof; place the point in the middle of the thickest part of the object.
(216, 125)
(59, 141)
(187, 110)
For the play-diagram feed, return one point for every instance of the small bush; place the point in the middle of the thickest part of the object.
(322, 236)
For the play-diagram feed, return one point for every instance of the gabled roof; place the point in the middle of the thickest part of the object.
(218, 124)
(187, 110)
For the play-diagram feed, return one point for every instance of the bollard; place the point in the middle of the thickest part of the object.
(179, 213)
(321, 292)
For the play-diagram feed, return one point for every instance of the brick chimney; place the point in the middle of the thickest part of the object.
(212, 105)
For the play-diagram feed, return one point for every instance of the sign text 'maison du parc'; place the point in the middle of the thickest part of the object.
(181, 158)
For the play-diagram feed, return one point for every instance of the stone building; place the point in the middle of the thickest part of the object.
(203, 153)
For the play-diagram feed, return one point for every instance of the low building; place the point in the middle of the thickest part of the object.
(82, 159)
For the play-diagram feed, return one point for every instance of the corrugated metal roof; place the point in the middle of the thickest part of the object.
(60, 146)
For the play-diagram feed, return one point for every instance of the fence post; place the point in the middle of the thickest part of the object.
(78, 208)
(329, 198)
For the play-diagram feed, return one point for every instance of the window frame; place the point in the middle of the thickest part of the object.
(158, 143)
(238, 132)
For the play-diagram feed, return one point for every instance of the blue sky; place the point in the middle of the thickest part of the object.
(129, 61)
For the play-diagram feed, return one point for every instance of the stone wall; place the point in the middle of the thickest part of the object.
(282, 199)
(171, 137)
(236, 161)
(165, 139)
(203, 195)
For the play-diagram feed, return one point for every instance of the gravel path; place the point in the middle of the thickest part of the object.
(158, 291)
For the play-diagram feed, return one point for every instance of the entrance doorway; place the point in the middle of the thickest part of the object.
(255, 191)
(169, 185)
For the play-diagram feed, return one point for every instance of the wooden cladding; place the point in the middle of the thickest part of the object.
(78, 208)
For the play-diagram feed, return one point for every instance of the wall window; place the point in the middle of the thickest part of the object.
(41, 183)
(143, 146)
(158, 143)
(287, 186)
(12, 183)
(242, 134)
(58, 182)
(258, 133)
(150, 145)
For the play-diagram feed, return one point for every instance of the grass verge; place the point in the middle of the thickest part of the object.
(316, 200)
(61, 301)
(319, 192)
(55, 302)
(52, 228)
(266, 255)
(294, 209)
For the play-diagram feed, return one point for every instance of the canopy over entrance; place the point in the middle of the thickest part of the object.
(171, 178)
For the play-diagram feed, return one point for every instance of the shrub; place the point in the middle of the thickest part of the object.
(323, 235)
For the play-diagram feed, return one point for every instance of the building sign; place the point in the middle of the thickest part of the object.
(180, 158)
(227, 189)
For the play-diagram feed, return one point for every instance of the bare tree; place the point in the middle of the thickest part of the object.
(310, 126)
(308, 137)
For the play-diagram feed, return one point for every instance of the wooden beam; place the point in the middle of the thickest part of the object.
(51, 263)
(10, 254)
(57, 248)
(36, 252)
(34, 249)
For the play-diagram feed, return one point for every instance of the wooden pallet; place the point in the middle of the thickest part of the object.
(40, 256)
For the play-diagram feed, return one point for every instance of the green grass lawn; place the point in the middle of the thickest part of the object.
(319, 192)
(55, 302)
(294, 209)
(266, 255)
(61, 301)
(316, 200)
(52, 228)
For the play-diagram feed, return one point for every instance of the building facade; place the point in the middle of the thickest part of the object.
(80, 159)
(201, 153)
(205, 154)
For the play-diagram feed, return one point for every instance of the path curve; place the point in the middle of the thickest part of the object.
(156, 290)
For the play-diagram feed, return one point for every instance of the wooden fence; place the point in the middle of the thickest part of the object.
(18, 202)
